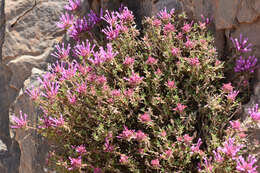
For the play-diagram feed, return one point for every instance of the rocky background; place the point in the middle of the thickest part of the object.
(30, 40)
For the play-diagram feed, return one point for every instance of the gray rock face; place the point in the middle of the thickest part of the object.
(35, 31)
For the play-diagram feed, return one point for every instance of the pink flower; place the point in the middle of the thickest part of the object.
(110, 33)
(129, 61)
(34, 93)
(196, 148)
(179, 107)
(123, 159)
(141, 136)
(129, 92)
(235, 125)
(227, 88)
(168, 28)
(193, 61)
(127, 134)
(84, 49)
(81, 149)
(62, 52)
(81, 88)
(179, 138)
(75, 163)
(164, 15)
(179, 36)
(218, 157)
(19, 122)
(187, 139)
(57, 122)
(189, 44)
(151, 60)
(126, 15)
(163, 133)
(247, 167)
(175, 51)
(156, 22)
(101, 80)
(97, 170)
(168, 153)
(51, 90)
(186, 27)
(115, 93)
(71, 98)
(145, 118)
(110, 18)
(208, 164)
(255, 115)
(217, 62)
(134, 80)
(171, 84)
(66, 20)
(232, 95)
(158, 71)
(155, 163)
(230, 148)
(73, 5)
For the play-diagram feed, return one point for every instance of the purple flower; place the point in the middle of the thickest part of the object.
(46, 122)
(103, 56)
(19, 122)
(255, 115)
(248, 64)
(57, 122)
(126, 15)
(218, 157)
(93, 18)
(196, 148)
(51, 89)
(79, 26)
(127, 134)
(129, 61)
(247, 167)
(168, 28)
(81, 149)
(73, 5)
(81, 88)
(62, 52)
(84, 50)
(110, 33)
(186, 27)
(70, 71)
(33, 93)
(110, 18)
(232, 95)
(66, 20)
(241, 45)
(135, 79)
(75, 163)
(71, 98)
(230, 148)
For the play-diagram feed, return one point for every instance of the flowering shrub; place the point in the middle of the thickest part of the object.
(150, 102)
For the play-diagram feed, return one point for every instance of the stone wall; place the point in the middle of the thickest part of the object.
(29, 42)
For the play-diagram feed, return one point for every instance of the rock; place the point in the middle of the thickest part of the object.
(35, 31)
(246, 14)
(225, 13)
(10, 152)
(33, 147)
